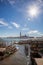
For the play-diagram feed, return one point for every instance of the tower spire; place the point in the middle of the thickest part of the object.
(20, 34)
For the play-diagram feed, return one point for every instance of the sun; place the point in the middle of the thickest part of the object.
(33, 11)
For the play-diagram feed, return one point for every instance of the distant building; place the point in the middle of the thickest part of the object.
(20, 34)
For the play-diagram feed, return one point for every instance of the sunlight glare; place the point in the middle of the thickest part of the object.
(33, 11)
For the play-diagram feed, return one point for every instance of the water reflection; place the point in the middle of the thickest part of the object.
(26, 50)
(17, 46)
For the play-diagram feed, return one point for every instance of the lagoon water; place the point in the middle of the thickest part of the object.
(11, 40)
(14, 39)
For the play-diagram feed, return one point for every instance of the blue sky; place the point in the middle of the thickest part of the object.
(21, 15)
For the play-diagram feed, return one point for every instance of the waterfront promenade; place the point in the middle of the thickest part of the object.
(18, 58)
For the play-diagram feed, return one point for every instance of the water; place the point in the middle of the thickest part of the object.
(22, 53)
(14, 39)
(11, 40)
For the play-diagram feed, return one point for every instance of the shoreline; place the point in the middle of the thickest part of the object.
(9, 51)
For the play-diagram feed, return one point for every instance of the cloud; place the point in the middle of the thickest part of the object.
(40, 34)
(35, 33)
(15, 24)
(2, 22)
(11, 2)
(1, 0)
(40, 4)
(0, 25)
(40, 1)
(10, 27)
(25, 25)
(24, 29)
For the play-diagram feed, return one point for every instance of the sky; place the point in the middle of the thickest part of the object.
(25, 16)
